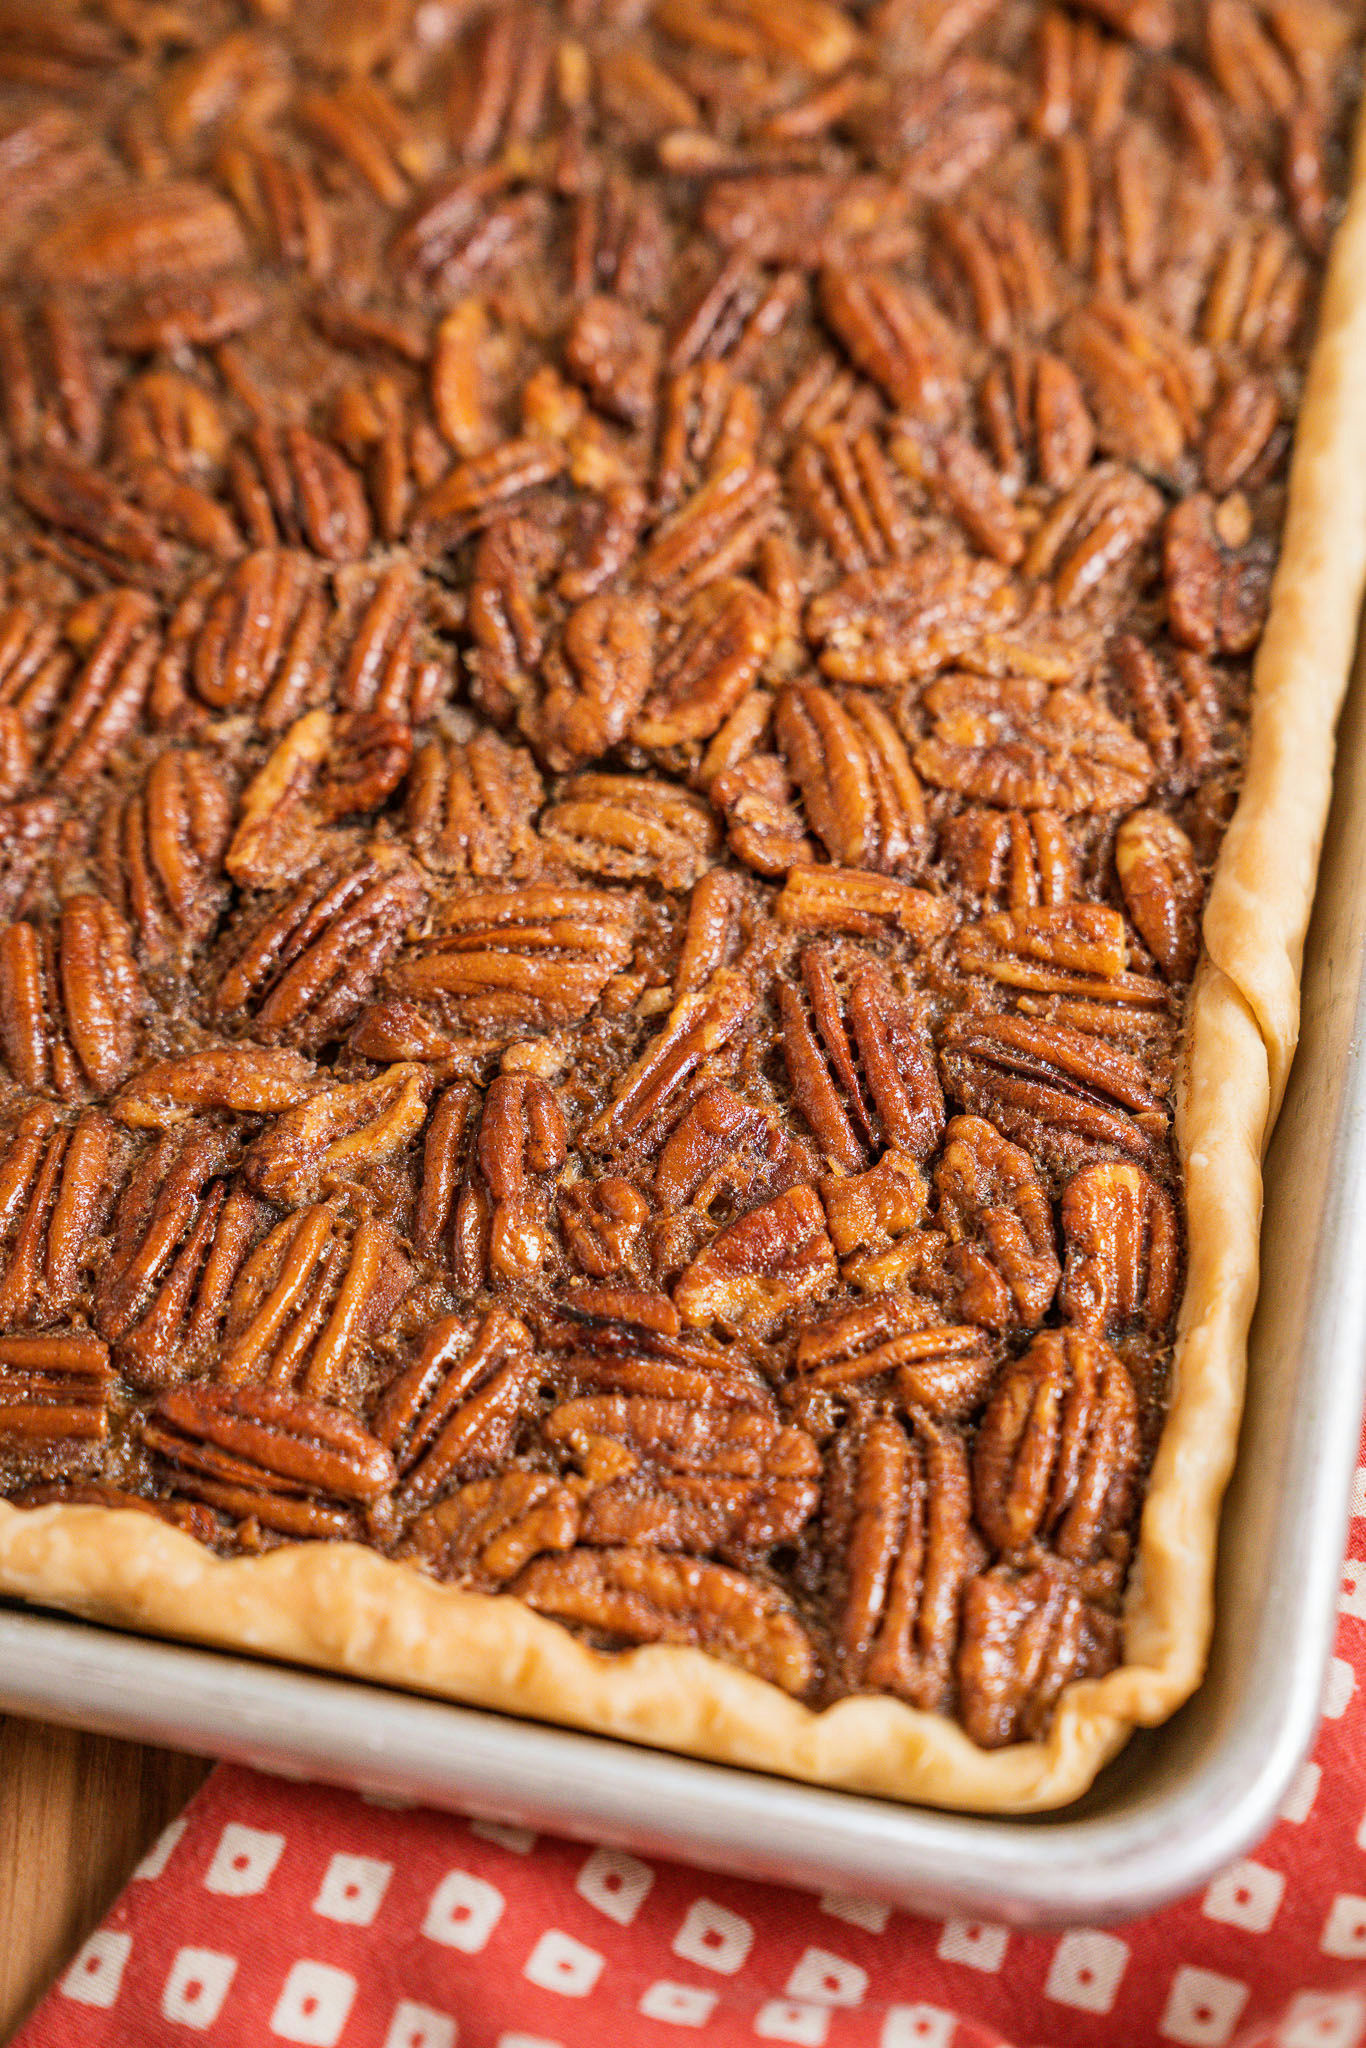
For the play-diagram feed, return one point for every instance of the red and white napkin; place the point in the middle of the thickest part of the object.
(274, 1912)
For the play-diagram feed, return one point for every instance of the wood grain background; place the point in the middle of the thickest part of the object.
(76, 1813)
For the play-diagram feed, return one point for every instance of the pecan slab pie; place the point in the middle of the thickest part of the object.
(635, 1038)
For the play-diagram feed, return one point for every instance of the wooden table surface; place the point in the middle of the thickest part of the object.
(76, 1813)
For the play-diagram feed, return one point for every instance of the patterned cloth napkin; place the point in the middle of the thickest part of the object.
(275, 1912)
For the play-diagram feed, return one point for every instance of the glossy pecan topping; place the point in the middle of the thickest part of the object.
(626, 640)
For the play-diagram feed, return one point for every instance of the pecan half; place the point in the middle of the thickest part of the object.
(900, 1543)
(645, 1596)
(1064, 1094)
(859, 1062)
(943, 1369)
(487, 1531)
(682, 1477)
(249, 1080)
(71, 1000)
(513, 957)
(469, 805)
(866, 906)
(860, 792)
(1020, 746)
(160, 851)
(997, 1215)
(455, 1407)
(1026, 1634)
(910, 618)
(337, 1135)
(297, 1466)
(1057, 1451)
(1162, 888)
(57, 1183)
(1011, 859)
(706, 663)
(701, 1025)
(54, 1395)
(632, 827)
(1218, 576)
(303, 968)
(1122, 1250)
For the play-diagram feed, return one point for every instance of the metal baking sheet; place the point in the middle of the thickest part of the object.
(1179, 1803)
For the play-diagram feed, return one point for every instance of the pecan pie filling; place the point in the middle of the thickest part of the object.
(625, 652)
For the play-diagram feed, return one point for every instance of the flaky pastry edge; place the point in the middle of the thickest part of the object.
(340, 1607)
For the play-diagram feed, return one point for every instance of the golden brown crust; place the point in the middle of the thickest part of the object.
(340, 1607)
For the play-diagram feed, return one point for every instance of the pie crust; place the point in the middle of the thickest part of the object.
(340, 1607)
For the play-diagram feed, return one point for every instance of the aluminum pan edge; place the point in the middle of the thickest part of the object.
(1180, 1802)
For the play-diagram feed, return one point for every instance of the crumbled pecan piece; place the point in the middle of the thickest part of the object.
(860, 1062)
(325, 768)
(763, 825)
(298, 1466)
(761, 1267)
(901, 1547)
(1122, 1250)
(601, 1222)
(645, 1596)
(1057, 1451)
(724, 1150)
